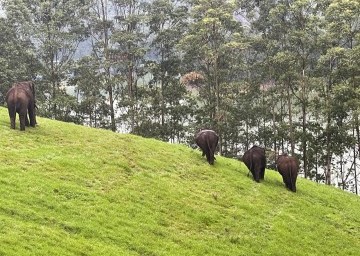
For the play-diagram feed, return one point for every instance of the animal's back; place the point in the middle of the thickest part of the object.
(287, 163)
(14, 94)
(206, 136)
(254, 155)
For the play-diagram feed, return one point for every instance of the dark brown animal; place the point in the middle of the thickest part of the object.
(288, 167)
(20, 99)
(207, 140)
(255, 161)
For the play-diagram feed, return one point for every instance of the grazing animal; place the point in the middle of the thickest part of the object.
(207, 140)
(20, 99)
(255, 161)
(288, 167)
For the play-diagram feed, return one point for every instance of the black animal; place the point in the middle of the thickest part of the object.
(288, 167)
(207, 140)
(20, 99)
(255, 161)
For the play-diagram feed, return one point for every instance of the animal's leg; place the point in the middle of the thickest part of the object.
(22, 118)
(288, 182)
(12, 115)
(27, 123)
(262, 173)
(293, 185)
(12, 122)
(257, 175)
(208, 157)
(211, 157)
(32, 116)
(213, 152)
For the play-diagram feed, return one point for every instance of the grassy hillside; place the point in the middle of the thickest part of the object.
(72, 190)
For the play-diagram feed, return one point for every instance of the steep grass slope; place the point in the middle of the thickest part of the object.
(72, 190)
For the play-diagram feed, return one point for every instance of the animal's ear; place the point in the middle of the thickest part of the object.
(32, 87)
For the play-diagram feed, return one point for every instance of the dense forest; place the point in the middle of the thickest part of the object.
(282, 74)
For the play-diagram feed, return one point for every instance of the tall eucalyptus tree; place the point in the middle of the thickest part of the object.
(342, 60)
(17, 57)
(129, 39)
(118, 39)
(309, 48)
(92, 108)
(170, 108)
(288, 54)
(303, 27)
(213, 46)
(101, 25)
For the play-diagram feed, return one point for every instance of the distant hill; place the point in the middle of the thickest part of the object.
(72, 190)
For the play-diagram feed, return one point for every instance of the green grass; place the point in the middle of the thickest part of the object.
(72, 190)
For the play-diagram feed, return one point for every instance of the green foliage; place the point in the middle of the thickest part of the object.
(165, 105)
(55, 28)
(17, 64)
(306, 50)
(73, 190)
(92, 107)
(220, 43)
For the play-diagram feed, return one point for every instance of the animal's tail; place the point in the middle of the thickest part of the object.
(211, 153)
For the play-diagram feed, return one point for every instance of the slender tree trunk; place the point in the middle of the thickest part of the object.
(107, 67)
(217, 102)
(264, 118)
(304, 141)
(131, 94)
(292, 144)
(343, 180)
(247, 139)
(356, 152)
(282, 111)
(328, 146)
(357, 130)
(111, 102)
(275, 133)
(328, 169)
(355, 175)
(163, 76)
(304, 121)
(54, 85)
(53, 82)
(328, 152)
(328, 135)
(53, 73)
(316, 167)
